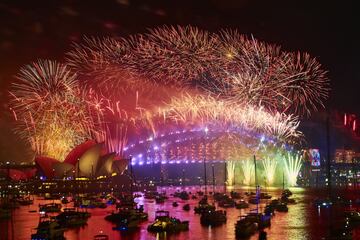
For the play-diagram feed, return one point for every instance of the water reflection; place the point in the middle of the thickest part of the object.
(303, 221)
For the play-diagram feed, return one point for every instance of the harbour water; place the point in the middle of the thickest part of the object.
(303, 221)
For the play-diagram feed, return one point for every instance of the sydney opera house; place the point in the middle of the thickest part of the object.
(87, 160)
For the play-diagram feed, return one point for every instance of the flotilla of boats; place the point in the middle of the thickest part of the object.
(129, 215)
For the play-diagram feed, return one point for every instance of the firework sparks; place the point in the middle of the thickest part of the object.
(171, 75)
(49, 112)
(269, 168)
(206, 109)
(230, 172)
(177, 55)
(248, 169)
(292, 163)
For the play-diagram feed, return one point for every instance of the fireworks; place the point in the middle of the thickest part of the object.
(228, 65)
(50, 113)
(230, 172)
(248, 169)
(170, 77)
(269, 169)
(292, 164)
(207, 109)
(176, 55)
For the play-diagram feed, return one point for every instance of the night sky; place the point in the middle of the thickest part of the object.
(30, 30)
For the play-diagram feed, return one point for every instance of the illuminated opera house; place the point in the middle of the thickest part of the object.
(87, 160)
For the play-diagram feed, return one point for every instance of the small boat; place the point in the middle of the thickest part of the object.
(165, 223)
(244, 228)
(254, 200)
(49, 208)
(265, 196)
(48, 229)
(241, 204)
(72, 218)
(150, 195)
(186, 207)
(175, 204)
(128, 224)
(25, 201)
(193, 197)
(286, 192)
(281, 207)
(182, 195)
(235, 195)
(260, 219)
(200, 193)
(213, 218)
(126, 211)
(287, 200)
(269, 210)
(204, 208)
(159, 199)
(64, 200)
(227, 203)
(32, 211)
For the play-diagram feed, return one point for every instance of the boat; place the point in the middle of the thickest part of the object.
(89, 202)
(227, 202)
(281, 207)
(203, 206)
(72, 218)
(235, 195)
(265, 196)
(260, 219)
(126, 210)
(200, 193)
(175, 204)
(241, 204)
(193, 197)
(213, 218)
(25, 201)
(150, 195)
(269, 210)
(64, 200)
(244, 228)
(159, 199)
(128, 224)
(182, 195)
(287, 200)
(203, 200)
(286, 192)
(254, 200)
(50, 207)
(165, 223)
(48, 229)
(186, 207)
